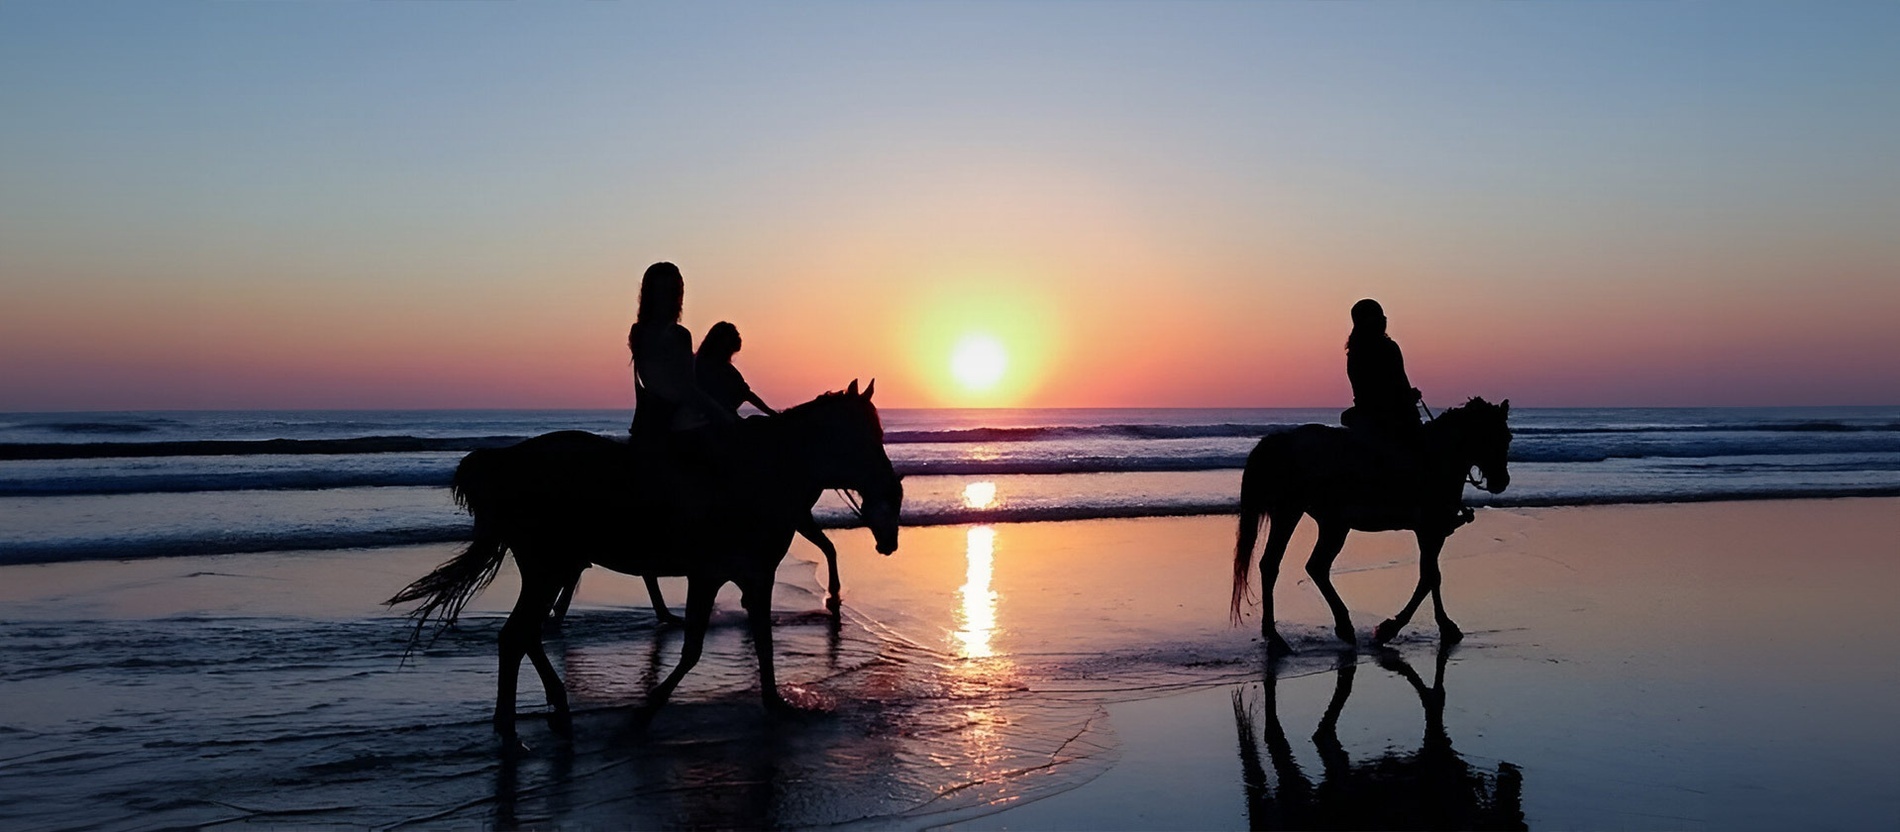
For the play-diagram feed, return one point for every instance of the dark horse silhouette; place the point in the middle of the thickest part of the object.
(808, 528)
(1431, 788)
(1349, 482)
(562, 501)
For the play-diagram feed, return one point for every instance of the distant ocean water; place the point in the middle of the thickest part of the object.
(77, 486)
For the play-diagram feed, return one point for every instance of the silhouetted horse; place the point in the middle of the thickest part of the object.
(1347, 482)
(808, 528)
(563, 500)
(1431, 788)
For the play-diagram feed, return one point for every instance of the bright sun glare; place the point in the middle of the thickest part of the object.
(978, 362)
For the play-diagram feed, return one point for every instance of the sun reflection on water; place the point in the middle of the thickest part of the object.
(978, 614)
(979, 495)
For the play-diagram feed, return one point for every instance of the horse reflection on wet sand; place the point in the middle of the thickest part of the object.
(1430, 788)
(562, 501)
(1345, 482)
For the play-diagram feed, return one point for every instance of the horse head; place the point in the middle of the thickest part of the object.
(844, 441)
(1482, 436)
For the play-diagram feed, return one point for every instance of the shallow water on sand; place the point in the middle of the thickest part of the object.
(1654, 667)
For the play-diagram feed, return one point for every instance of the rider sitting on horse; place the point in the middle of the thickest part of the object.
(1385, 404)
(712, 366)
(674, 421)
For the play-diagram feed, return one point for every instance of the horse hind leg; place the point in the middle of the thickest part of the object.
(700, 593)
(1280, 527)
(1319, 567)
(521, 636)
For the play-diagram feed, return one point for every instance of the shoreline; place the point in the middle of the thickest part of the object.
(1611, 653)
(294, 545)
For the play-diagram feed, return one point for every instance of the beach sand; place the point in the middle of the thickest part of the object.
(1716, 665)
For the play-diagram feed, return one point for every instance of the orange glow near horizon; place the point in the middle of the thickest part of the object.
(982, 343)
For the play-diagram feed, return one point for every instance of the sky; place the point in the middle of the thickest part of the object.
(423, 205)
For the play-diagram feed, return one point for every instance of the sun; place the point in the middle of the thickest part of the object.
(978, 362)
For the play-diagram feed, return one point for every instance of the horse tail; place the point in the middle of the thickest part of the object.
(446, 590)
(1253, 511)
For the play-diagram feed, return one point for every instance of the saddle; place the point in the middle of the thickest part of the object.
(686, 481)
(1395, 467)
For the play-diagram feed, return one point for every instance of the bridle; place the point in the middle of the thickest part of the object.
(1478, 480)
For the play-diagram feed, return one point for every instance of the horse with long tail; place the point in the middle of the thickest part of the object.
(1348, 482)
(566, 500)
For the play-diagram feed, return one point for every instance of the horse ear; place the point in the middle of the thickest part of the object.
(1505, 406)
(869, 389)
(853, 389)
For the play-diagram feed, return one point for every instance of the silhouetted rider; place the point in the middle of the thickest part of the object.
(1385, 404)
(668, 402)
(1383, 399)
(712, 366)
(677, 428)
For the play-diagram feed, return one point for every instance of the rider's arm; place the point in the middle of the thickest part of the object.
(759, 403)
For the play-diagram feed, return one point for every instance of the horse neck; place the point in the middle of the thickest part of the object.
(1445, 437)
(801, 441)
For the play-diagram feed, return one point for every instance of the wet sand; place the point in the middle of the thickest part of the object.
(1717, 665)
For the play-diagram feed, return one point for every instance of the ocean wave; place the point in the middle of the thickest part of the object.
(392, 470)
(18, 451)
(180, 545)
(186, 483)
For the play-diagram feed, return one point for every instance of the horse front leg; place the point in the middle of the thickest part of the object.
(660, 612)
(757, 598)
(1279, 533)
(808, 529)
(700, 592)
(1429, 545)
(561, 603)
(1319, 567)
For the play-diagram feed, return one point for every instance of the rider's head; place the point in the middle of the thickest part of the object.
(1368, 316)
(662, 293)
(722, 340)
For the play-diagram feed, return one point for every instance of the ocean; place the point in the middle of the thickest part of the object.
(194, 637)
(78, 486)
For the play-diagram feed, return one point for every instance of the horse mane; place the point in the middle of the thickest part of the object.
(1472, 407)
(826, 400)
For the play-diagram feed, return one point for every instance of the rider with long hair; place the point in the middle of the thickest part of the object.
(712, 366)
(667, 399)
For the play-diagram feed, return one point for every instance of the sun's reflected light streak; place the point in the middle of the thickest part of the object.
(978, 613)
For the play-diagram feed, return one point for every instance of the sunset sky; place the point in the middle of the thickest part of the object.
(1136, 204)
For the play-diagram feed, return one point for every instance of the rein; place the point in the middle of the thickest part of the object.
(857, 508)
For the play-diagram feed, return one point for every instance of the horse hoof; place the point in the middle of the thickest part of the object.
(834, 604)
(562, 724)
(671, 620)
(1348, 636)
(1448, 633)
(1387, 631)
(1277, 647)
